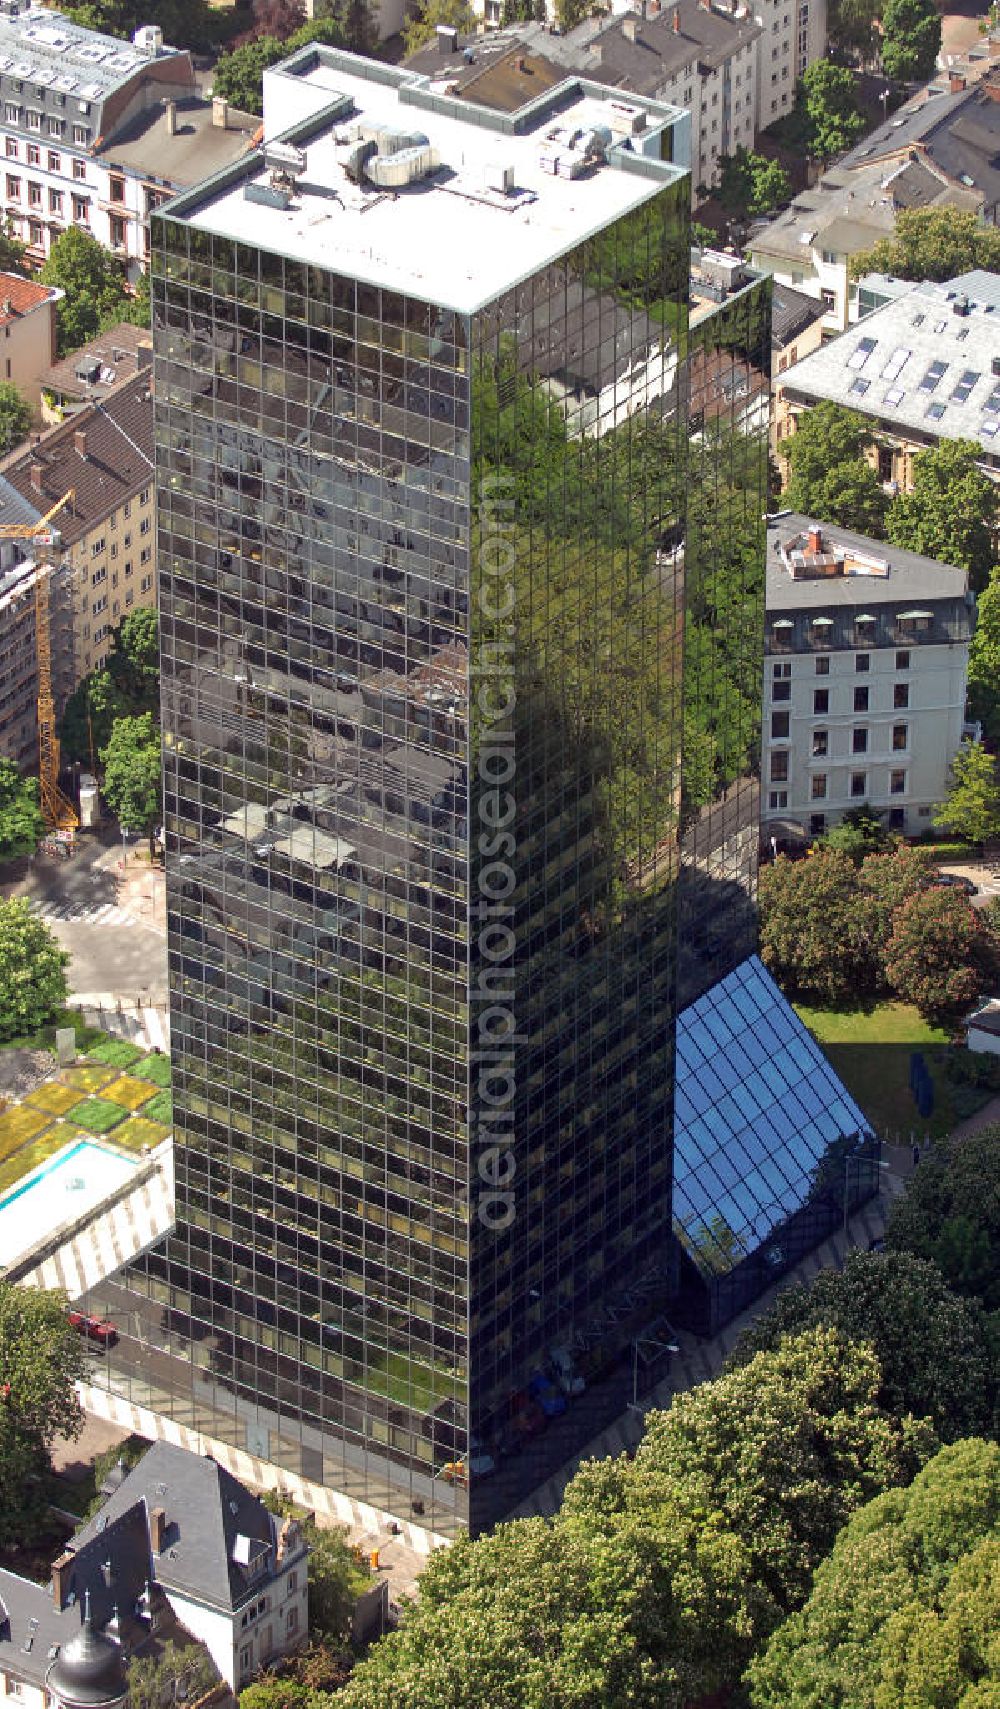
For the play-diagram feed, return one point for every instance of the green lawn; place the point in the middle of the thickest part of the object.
(116, 1052)
(97, 1115)
(870, 1049)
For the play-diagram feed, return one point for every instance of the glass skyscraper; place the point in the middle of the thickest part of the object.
(461, 602)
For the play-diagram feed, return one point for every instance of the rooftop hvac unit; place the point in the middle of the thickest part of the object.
(626, 120)
(149, 40)
(500, 177)
(995, 365)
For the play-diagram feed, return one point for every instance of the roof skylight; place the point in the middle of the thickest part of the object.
(933, 377)
(961, 393)
(861, 352)
(896, 363)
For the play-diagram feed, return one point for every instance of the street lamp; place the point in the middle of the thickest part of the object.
(849, 1158)
(655, 1347)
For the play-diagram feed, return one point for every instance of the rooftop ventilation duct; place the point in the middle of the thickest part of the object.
(391, 159)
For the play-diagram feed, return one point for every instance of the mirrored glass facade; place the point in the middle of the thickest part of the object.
(458, 794)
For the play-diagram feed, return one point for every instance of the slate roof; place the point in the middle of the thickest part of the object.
(958, 133)
(705, 37)
(118, 459)
(207, 1510)
(911, 576)
(882, 367)
(791, 313)
(114, 1568)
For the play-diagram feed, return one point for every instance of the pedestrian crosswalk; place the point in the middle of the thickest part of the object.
(84, 913)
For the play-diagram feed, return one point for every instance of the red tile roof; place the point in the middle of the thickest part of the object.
(19, 296)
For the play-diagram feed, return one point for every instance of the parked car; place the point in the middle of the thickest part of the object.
(956, 881)
(526, 1416)
(94, 1328)
(481, 1462)
(564, 1371)
(542, 1389)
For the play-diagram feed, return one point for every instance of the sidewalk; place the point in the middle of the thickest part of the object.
(141, 889)
(699, 1360)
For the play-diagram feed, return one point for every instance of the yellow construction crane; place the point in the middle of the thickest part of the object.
(57, 810)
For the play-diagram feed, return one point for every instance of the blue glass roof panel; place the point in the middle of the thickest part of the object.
(757, 1107)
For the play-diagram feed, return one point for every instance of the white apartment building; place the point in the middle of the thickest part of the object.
(866, 659)
(96, 132)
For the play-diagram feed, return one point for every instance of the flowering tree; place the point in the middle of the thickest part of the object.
(938, 956)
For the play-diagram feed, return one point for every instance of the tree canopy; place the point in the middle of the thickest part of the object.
(132, 773)
(933, 1349)
(41, 1357)
(419, 29)
(951, 513)
(971, 808)
(185, 23)
(828, 105)
(906, 1610)
(15, 416)
(179, 1673)
(660, 1575)
(984, 659)
(850, 25)
(832, 930)
(862, 831)
(811, 935)
(939, 956)
(950, 1215)
(911, 39)
(127, 685)
(32, 971)
(239, 75)
(751, 184)
(932, 243)
(21, 824)
(94, 282)
(830, 477)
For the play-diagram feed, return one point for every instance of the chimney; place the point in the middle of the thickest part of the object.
(144, 356)
(36, 477)
(289, 1537)
(815, 537)
(447, 39)
(956, 82)
(704, 5)
(60, 1578)
(520, 64)
(157, 1529)
(80, 441)
(220, 113)
(170, 113)
(630, 29)
(991, 87)
(675, 19)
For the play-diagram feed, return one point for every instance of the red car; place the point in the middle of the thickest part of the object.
(526, 1416)
(94, 1328)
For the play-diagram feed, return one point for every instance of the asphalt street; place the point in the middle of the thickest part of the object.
(105, 915)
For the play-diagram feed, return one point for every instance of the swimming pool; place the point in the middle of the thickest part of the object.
(61, 1189)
